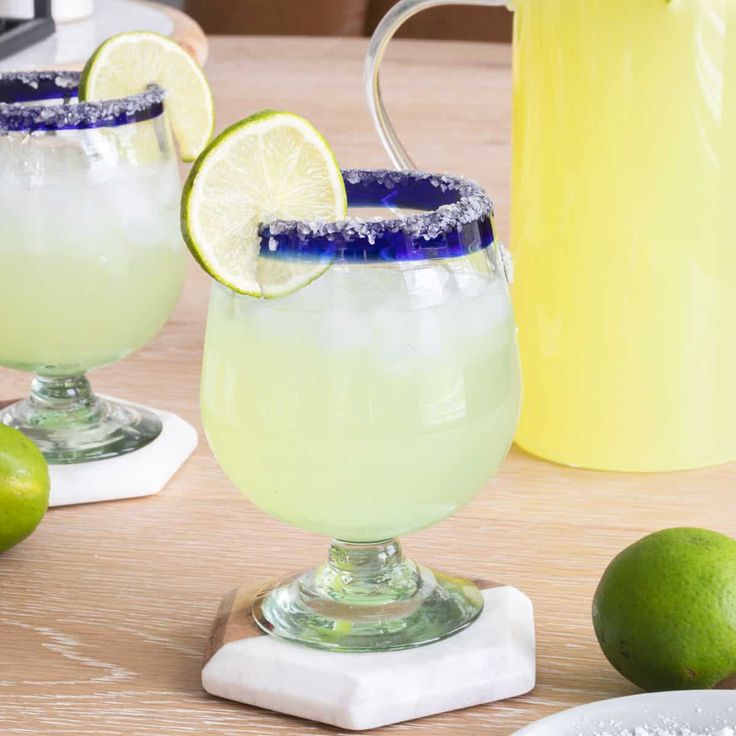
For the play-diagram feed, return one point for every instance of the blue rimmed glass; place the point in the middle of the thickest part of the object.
(91, 259)
(372, 402)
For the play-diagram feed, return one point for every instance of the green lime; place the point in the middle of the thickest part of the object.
(665, 610)
(127, 63)
(24, 487)
(270, 166)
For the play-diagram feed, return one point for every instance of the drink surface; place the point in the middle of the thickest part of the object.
(623, 237)
(374, 402)
(91, 261)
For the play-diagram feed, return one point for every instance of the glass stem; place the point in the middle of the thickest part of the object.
(371, 572)
(72, 425)
(61, 401)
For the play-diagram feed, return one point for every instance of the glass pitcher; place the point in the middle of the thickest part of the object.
(623, 196)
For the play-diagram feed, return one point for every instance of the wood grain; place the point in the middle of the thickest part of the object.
(234, 620)
(105, 611)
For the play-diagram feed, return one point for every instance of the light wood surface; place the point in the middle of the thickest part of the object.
(106, 609)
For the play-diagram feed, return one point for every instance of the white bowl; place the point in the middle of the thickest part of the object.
(700, 710)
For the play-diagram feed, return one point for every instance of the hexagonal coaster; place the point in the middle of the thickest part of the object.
(493, 659)
(140, 473)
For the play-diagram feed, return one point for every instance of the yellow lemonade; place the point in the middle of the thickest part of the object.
(375, 401)
(88, 272)
(623, 234)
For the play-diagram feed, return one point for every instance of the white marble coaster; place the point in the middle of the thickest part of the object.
(140, 473)
(491, 660)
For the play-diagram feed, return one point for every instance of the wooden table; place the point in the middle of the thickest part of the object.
(105, 610)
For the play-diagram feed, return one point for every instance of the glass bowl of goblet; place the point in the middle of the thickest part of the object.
(373, 402)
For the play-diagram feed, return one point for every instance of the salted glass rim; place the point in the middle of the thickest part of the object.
(457, 220)
(18, 89)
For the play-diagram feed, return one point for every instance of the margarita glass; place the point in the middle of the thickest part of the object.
(91, 260)
(375, 401)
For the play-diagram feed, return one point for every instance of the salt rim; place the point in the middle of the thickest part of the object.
(472, 205)
(61, 79)
(24, 87)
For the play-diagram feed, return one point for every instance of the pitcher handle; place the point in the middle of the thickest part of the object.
(397, 16)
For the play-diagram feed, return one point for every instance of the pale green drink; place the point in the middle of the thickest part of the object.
(376, 401)
(97, 275)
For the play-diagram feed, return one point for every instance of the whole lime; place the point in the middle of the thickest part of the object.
(24, 487)
(665, 610)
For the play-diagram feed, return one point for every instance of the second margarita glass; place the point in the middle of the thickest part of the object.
(91, 260)
(373, 402)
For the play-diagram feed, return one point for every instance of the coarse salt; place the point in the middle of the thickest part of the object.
(667, 731)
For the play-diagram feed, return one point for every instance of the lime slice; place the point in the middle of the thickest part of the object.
(127, 63)
(270, 166)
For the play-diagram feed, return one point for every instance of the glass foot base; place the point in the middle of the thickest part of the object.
(72, 425)
(367, 598)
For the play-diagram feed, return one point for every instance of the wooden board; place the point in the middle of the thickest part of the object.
(105, 612)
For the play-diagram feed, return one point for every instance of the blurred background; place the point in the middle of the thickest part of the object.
(343, 18)
(28, 42)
